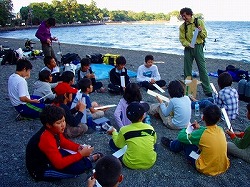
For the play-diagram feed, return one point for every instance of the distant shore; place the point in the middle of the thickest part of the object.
(2, 29)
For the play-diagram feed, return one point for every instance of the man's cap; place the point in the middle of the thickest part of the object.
(135, 110)
(63, 88)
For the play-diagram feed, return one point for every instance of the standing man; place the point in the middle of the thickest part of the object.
(190, 53)
(44, 35)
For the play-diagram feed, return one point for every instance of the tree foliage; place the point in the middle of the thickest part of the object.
(6, 8)
(69, 11)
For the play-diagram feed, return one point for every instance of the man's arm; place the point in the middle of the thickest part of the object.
(182, 36)
(203, 32)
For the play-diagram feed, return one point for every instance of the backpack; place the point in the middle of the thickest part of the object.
(95, 58)
(10, 56)
(236, 73)
(110, 59)
(70, 57)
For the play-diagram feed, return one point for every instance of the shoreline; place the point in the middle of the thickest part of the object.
(170, 169)
(17, 43)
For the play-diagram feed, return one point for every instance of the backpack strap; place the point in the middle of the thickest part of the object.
(139, 133)
(196, 22)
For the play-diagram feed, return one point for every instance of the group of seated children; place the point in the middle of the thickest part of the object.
(47, 156)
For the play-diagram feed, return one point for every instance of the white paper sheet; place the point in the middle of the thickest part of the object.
(44, 96)
(150, 92)
(122, 81)
(194, 155)
(229, 126)
(213, 88)
(189, 128)
(194, 37)
(103, 107)
(120, 152)
(159, 88)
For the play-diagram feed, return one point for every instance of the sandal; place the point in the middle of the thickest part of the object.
(95, 156)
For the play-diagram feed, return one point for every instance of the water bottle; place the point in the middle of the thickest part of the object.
(241, 88)
(197, 109)
(147, 119)
(247, 92)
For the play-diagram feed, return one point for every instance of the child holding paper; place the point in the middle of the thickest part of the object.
(227, 97)
(209, 142)
(177, 113)
(86, 72)
(50, 65)
(50, 156)
(139, 137)
(74, 127)
(27, 106)
(118, 76)
(148, 74)
(43, 87)
(132, 93)
(85, 86)
(240, 145)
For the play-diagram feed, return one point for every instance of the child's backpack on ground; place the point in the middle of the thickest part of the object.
(95, 58)
(236, 73)
(110, 59)
(10, 56)
(70, 58)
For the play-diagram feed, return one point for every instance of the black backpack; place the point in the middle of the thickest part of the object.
(10, 56)
(70, 57)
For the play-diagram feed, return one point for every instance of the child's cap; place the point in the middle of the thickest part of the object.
(135, 110)
(63, 88)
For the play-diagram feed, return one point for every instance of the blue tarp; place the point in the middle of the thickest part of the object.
(102, 71)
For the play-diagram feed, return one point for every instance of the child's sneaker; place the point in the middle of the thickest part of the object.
(166, 142)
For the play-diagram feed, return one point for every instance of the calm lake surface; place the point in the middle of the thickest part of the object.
(226, 40)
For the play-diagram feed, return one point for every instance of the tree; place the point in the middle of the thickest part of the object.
(70, 7)
(6, 7)
(24, 11)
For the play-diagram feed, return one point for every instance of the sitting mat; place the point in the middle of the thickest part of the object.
(102, 71)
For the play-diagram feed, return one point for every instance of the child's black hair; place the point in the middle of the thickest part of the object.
(50, 114)
(224, 80)
(84, 83)
(67, 76)
(23, 64)
(47, 60)
(108, 170)
(211, 114)
(44, 75)
(121, 60)
(175, 89)
(132, 93)
(85, 62)
(149, 57)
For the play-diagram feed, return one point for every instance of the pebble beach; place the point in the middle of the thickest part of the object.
(170, 169)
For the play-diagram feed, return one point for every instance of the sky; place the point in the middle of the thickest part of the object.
(214, 10)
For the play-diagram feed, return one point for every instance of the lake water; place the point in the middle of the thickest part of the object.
(232, 38)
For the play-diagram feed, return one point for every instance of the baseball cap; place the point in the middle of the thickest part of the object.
(63, 88)
(135, 110)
